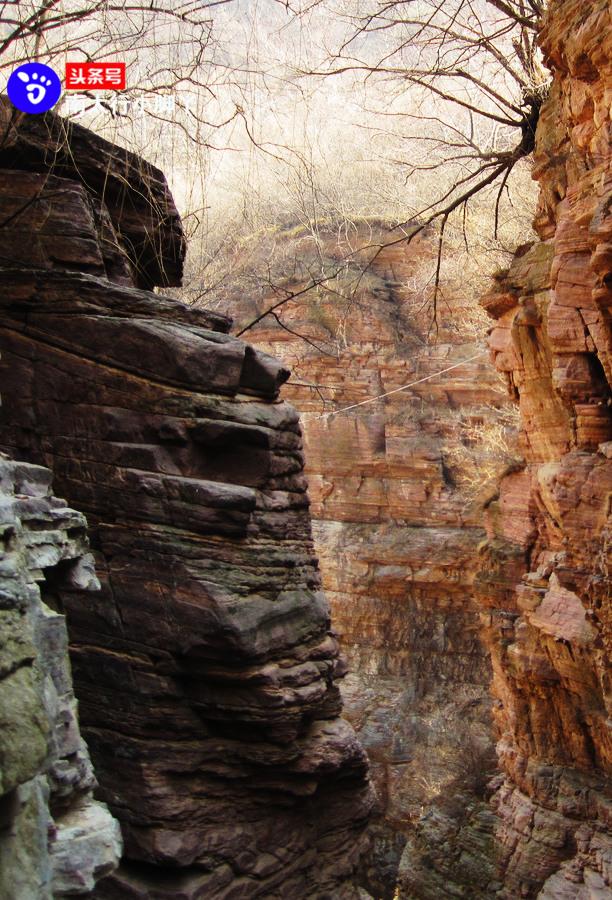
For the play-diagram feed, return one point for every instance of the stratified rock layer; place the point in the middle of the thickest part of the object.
(141, 238)
(205, 668)
(55, 840)
(396, 487)
(544, 584)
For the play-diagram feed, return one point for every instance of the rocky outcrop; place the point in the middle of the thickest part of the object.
(397, 486)
(205, 667)
(544, 583)
(140, 236)
(55, 840)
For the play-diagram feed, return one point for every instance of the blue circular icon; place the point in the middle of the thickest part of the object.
(34, 88)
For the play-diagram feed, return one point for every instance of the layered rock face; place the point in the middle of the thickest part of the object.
(396, 490)
(544, 584)
(55, 840)
(205, 667)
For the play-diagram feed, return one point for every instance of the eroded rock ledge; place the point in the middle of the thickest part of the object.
(205, 667)
(544, 583)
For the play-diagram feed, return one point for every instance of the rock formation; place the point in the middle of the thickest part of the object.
(205, 667)
(55, 840)
(397, 487)
(544, 583)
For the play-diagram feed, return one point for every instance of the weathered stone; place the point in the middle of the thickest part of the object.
(548, 580)
(205, 667)
(86, 847)
(45, 773)
(130, 197)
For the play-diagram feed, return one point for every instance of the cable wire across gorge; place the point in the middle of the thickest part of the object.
(404, 387)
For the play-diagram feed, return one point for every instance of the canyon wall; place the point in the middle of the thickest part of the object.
(400, 545)
(205, 667)
(544, 583)
(397, 488)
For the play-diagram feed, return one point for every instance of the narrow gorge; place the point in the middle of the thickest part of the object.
(402, 488)
(335, 590)
(397, 486)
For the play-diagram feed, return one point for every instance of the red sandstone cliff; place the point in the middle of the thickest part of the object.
(160, 470)
(397, 488)
(544, 585)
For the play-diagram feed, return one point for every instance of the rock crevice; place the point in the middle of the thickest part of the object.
(396, 485)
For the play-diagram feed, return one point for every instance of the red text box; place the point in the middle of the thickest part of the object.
(108, 76)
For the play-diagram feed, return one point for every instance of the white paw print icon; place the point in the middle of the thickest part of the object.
(35, 86)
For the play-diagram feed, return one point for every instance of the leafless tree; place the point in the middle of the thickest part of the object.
(459, 80)
(464, 83)
(52, 29)
(169, 49)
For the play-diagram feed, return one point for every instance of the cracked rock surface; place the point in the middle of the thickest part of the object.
(55, 839)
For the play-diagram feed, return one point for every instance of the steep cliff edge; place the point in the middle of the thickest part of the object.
(205, 668)
(544, 584)
(397, 487)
